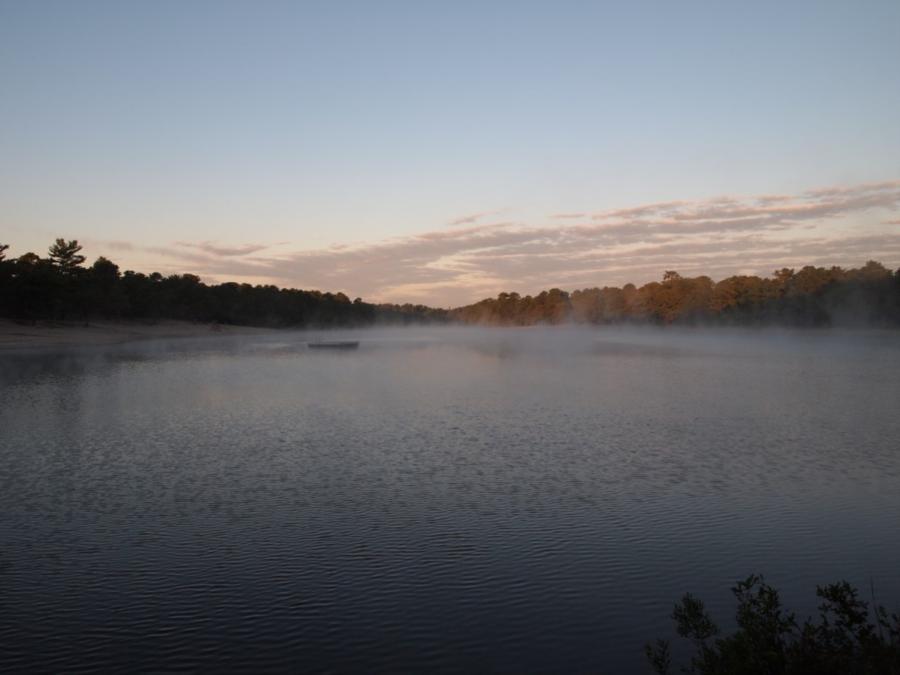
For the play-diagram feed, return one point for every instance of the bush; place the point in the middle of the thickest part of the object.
(847, 639)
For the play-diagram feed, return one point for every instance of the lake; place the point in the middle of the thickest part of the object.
(450, 499)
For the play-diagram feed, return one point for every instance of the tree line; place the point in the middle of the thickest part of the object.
(812, 296)
(61, 287)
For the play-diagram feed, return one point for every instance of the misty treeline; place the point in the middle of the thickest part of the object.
(849, 637)
(62, 287)
(811, 296)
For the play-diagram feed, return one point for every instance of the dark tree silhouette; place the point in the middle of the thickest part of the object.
(5, 273)
(58, 287)
(848, 637)
(105, 270)
(65, 255)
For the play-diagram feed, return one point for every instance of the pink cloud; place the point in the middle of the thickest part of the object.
(220, 250)
(717, 237)
(472, 217)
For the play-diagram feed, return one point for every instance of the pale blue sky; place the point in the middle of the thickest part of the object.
(300, 125)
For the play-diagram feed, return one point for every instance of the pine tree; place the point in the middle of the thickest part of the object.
(65, 255)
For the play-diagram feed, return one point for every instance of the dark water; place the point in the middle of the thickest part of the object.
(456, 500)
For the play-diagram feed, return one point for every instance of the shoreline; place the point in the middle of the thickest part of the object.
(15, 335)
(47, 334)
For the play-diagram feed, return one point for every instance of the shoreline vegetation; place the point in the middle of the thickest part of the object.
(850, 635)
(41, 298)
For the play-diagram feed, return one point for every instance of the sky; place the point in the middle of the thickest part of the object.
(442, 152)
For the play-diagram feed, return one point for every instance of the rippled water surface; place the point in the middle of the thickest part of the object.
(503, 500)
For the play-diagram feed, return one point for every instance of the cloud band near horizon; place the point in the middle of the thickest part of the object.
(470, 259)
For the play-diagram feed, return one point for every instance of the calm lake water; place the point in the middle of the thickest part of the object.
(440, 499)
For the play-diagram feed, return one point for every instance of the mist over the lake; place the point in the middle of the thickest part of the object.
(442, 497)
(450, 337)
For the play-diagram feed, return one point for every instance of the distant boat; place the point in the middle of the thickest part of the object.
(334, 344)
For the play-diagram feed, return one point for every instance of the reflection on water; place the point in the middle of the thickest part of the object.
(456, 499)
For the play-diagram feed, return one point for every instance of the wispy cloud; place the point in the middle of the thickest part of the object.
(719, 236)
(567, 216)
(226, 251)
(472, 218)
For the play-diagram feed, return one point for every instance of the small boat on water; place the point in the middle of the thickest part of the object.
(333, 344)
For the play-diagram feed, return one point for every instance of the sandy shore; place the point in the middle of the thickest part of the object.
(15, 335)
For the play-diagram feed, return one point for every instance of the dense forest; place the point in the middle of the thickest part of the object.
(812, 296)
(61, 287)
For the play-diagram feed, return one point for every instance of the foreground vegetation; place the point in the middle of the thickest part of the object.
(848, 638)
(60, 287)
